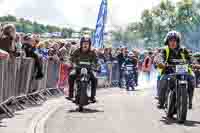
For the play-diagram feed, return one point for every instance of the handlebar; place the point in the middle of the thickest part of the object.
(175, 74)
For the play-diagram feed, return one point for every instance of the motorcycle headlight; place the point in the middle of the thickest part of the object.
(84, 71)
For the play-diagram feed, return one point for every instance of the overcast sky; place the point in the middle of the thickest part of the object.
(76, 13)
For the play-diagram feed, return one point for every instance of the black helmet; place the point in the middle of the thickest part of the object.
(85, 39)
(173, 35)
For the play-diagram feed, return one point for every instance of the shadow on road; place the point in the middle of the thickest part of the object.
(86, 110)
(2, 125)
(188, 123)
(136, 90)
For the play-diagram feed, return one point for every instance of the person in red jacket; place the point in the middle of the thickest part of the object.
(147, 64)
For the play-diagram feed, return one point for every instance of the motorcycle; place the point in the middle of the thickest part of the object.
(83, 85)
(177, 96)
(130, 75)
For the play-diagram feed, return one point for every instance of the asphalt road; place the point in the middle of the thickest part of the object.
(119, 111)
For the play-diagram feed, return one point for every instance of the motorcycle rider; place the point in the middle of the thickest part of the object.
(173, 50)
(84, 53)
(131, 60)
(121, 58)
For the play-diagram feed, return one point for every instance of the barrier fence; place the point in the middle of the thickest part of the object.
(17, 80)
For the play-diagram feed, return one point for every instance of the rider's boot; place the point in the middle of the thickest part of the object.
(93, 100)
(191, 93)
(93, 90)
(70, 97)
(190, 101)
(71, 91)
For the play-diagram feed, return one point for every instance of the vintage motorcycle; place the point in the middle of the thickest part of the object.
(83, 84)
(176, 101)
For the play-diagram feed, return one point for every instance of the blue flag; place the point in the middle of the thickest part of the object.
(101, 20)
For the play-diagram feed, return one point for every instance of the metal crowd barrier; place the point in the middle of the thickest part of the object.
(115, 73)
(103, 77)
(17, 80)
(25, 76)
(52, 81)
(39, 85)
(2, 66)
(110, 74)
(52, 74)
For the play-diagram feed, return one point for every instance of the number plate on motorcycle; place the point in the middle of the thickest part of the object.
(181, 68)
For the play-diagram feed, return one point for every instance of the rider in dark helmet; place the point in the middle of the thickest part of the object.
(131, 60)
(173, 50)
(84, 53)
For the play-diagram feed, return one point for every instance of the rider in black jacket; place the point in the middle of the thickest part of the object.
(173, 50)
(121, 59)
(84, 53)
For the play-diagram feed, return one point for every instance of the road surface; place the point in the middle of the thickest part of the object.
(119, 111)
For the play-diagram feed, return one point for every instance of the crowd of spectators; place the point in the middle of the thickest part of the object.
(31, 45)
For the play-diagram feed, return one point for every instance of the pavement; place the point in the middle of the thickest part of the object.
(120, 111)
(117, 111)
(26, 121)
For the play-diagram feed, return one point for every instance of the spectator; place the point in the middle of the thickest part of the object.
(121, 58)
(52, 55)
(107, 55)
(18, 45)
(147, 64)
(65, 52)
(30, 52)
(7, 39)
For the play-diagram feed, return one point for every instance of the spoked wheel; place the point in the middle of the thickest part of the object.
(162, 96)
(170, 104)
(182, 102)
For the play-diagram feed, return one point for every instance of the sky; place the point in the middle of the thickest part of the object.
(76, 13)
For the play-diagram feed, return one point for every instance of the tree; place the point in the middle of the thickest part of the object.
(11, 18)
(155, 23)
(19, 27)
(147, 20)
(8, 18)
(67, 32)
(52, 29)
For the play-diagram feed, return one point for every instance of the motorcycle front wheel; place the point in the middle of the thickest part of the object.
(182, 104)
(170, 104)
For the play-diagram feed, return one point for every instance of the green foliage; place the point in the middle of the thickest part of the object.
(183, 16)
(67, 32)
(27, 26)
(9, 18)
